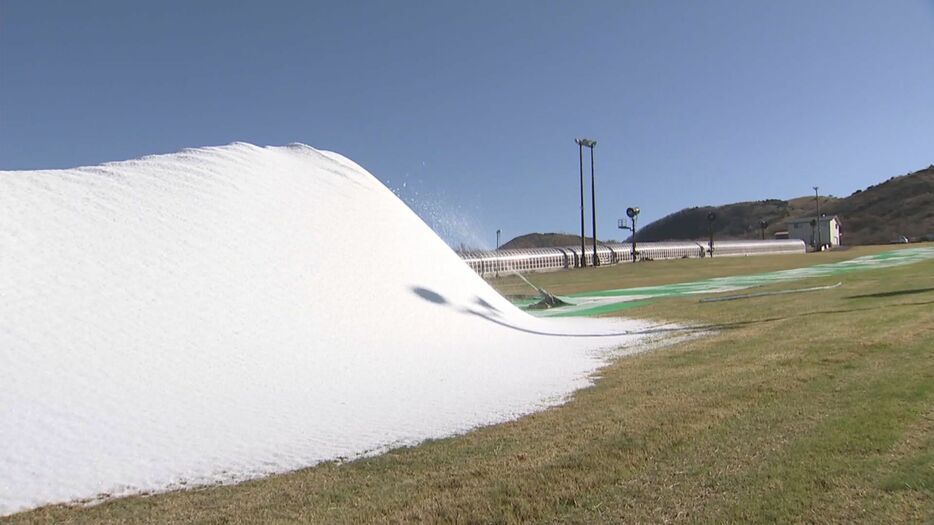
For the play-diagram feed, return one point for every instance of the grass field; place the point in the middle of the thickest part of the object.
(816, 407)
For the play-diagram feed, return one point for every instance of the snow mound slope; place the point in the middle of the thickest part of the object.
(224, 313)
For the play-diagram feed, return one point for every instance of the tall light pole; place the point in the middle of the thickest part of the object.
(593, 204)
(711, 217)
(588, 143)
(497, 238)
(817, 199)
(580, 150)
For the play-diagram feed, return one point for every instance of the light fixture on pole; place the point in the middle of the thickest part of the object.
(588, 143)
(763, 224)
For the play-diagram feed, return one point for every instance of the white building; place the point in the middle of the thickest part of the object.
(828, 235)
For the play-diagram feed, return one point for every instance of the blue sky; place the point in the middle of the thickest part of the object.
(469, 110)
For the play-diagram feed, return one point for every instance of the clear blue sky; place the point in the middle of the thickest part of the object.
(470, 109)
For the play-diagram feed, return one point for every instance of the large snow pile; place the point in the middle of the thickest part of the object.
(223, 313)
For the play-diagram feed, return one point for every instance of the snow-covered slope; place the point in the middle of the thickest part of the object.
(224, 313)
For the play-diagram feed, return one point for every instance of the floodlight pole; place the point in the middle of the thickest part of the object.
(817, 246)
(581, 143)
(580, 146)
(632, 213)
(593, 204)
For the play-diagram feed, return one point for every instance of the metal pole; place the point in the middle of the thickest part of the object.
(711, 239)
(711, 217)
(593, 207)
(497, 239)
(633, 238)
(581, 156)
(817, 198)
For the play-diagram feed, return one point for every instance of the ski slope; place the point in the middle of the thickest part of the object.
(224, 313)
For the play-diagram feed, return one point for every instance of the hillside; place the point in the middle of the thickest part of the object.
(544, 240)
(901, 205)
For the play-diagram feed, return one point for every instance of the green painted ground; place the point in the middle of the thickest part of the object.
(602, 302)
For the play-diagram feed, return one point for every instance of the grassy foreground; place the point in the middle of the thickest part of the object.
(811, 407)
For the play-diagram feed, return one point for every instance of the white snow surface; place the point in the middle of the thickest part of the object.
(224, 313)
